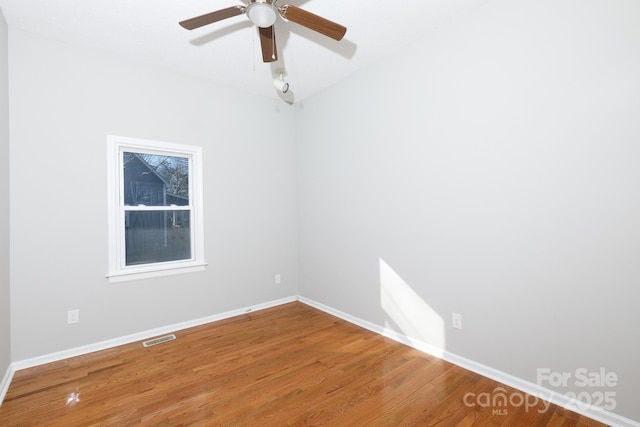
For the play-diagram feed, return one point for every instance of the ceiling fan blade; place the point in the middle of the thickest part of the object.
(268, 43)
(313, 22)
(210, 18)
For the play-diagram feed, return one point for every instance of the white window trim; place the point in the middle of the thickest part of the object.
(117, 270)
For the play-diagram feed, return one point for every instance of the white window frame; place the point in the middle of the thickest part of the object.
(118, 271)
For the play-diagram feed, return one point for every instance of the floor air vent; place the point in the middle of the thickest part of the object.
(159, 340)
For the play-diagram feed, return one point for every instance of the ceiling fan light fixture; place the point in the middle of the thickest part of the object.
(262, 14)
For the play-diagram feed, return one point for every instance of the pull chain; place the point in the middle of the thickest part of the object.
(253, 50)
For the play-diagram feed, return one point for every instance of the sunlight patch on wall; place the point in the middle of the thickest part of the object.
(408, 311)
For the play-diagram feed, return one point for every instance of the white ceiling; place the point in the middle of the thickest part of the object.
(229, 51)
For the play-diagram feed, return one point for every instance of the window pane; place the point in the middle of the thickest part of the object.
(157, 236)
(155, 180)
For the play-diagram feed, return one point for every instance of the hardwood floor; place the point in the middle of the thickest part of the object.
(287, 365)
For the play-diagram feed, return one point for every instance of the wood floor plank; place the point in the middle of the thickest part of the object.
(287, 365)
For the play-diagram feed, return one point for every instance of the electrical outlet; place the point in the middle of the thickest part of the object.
(456, 320)
(278, 279)
(73, 316)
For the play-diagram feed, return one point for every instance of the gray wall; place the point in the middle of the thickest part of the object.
(5, 328)
(64, 101)
(490, 169)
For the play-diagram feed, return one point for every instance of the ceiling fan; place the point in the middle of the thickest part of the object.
(263, 13)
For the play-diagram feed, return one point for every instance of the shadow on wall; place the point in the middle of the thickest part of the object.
(407, 312)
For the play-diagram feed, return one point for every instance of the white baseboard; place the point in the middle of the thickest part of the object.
(604, 416)
(141, 336)
(6, 381)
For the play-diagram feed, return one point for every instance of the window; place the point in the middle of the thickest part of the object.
(155, 209)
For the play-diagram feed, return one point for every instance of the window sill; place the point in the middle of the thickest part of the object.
(144, 273)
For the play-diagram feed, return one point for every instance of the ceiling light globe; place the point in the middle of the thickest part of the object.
(261, 14)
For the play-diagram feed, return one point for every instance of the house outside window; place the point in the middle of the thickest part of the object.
(155, 209)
